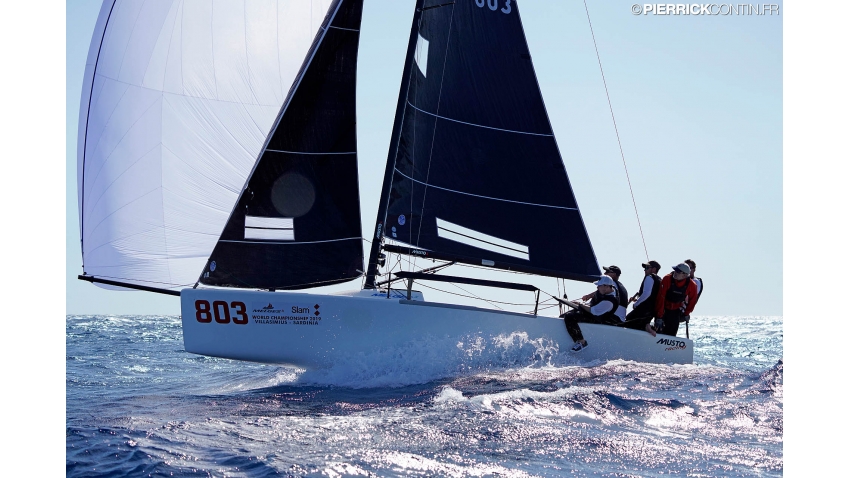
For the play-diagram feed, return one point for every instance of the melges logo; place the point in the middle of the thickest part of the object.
(673, 344)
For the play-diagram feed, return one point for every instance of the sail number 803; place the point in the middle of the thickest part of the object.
(220, 311)
(494, 4)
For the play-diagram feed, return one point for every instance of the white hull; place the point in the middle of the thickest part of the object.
(284, 328)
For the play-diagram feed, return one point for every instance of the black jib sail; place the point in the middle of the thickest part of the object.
(474, 173)
(297, 222)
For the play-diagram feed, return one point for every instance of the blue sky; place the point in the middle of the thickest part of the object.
(698, 105)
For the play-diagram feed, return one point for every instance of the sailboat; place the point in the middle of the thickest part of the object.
(473, 172)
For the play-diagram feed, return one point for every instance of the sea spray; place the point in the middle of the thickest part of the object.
(432, 358)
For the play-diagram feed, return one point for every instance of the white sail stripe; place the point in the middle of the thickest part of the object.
(299, 152)
(480, 244)
(479, 125)
(302, 242)
(480, 236)
(340, 28)
(480, 240)
(269, 222)
(270, 234)
(486, 197)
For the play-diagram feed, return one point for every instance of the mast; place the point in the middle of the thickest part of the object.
(377, 239)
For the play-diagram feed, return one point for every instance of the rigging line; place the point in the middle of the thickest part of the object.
(476, 296)
(470, 297)
(598, 59)
(412, 266)
(539, 309)
(434, 134)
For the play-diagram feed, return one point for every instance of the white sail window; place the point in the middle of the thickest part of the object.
(421, 56)
(269, 228)
(467, 236)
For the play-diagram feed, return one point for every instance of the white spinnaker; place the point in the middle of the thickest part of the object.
(178, 97)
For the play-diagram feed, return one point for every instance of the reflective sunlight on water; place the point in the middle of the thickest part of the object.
(138, 404)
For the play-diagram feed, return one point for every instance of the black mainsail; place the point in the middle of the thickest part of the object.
(474, 173)
(297, 221)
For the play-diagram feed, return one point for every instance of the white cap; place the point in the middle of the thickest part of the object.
(683, 268)
(605, 280)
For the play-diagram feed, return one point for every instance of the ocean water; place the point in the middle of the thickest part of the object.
(138, 405)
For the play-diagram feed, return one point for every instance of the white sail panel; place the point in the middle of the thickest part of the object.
(178, 98)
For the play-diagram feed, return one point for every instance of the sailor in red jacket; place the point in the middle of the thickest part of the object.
(676, 299)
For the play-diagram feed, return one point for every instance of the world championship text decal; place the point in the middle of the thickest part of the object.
(286, 313)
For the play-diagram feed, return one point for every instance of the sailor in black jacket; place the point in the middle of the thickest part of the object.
(602, 309)
(643, 310)
(620, 290)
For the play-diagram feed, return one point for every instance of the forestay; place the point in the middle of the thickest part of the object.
(475, 174)
(297, 222)
(178, 99)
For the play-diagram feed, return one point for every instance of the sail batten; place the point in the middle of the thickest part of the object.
(432, 185)
(478, 125)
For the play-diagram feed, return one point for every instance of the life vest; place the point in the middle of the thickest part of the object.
(597, 298)
(649, 303)
(675, 297)
(622, 294)
(700, 284)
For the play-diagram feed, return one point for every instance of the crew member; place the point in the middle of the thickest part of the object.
(697, 280)
(601, 310)
(676, 299)
(643, 310)
(622, 295)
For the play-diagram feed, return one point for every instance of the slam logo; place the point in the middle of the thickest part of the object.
(672, 344)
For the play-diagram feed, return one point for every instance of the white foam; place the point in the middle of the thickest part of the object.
(401, 462)
(432, 358)
(448, 394)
